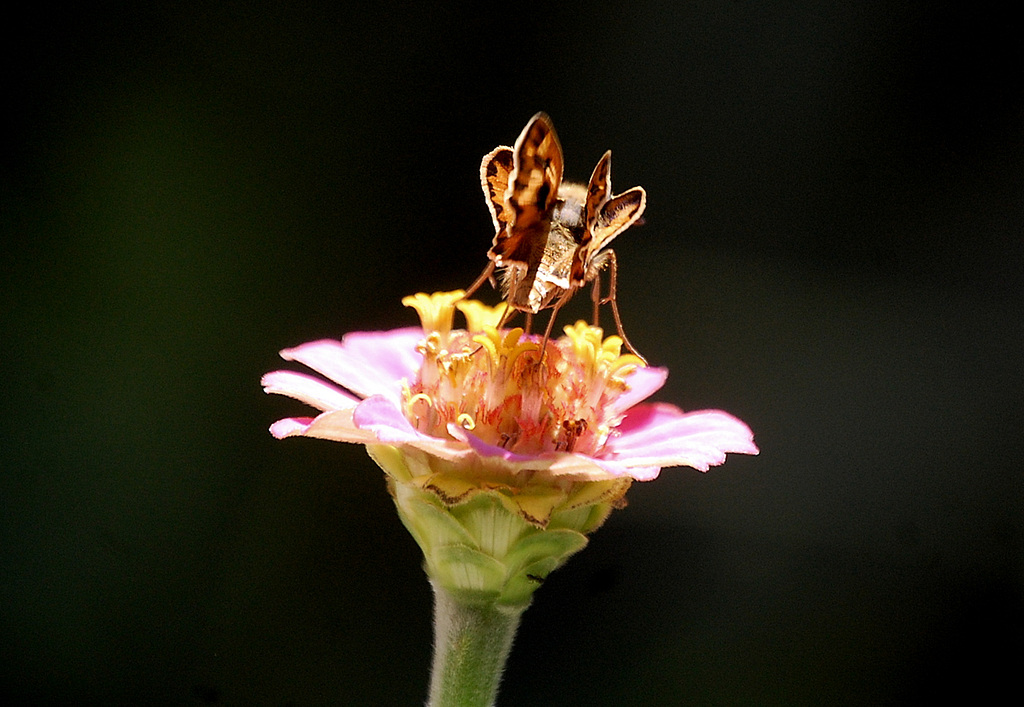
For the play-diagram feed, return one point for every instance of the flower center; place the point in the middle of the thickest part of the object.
(496, 384)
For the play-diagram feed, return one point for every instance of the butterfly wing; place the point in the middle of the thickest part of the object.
(495, 170)
(598, 191)
(528, 205)
(606, 217)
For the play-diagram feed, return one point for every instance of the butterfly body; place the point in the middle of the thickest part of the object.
(551, 278)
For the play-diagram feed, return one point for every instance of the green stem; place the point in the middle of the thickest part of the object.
(471, 644)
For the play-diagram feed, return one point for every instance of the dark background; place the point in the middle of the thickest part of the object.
(832, 252)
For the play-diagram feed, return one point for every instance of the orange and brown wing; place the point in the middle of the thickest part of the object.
(598, 192)
(619, 213)
(606, 217)
(530, 201)
(495, 170)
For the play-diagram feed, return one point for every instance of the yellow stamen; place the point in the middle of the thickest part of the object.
(504, 346)
(479, 315)
(599, 354)
(496, 383)
(436, 310)
(421, 397)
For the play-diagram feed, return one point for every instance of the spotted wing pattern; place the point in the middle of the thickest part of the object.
(522, 215)
(606, 217)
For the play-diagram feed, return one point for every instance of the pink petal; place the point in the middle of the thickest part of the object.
(486, 449)
(659, 434)
(640, 473)
(378, 414)
(561, 464)
(380, 417)
(580, 466)
(644, 473)
(642, 384)
(367, 363)
(290, 426)
(392, 351)
(338, 425)
(308, 389)
(602, 468)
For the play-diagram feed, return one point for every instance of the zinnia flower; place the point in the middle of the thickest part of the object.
(483, 405)
(456, 412)
(500, 455)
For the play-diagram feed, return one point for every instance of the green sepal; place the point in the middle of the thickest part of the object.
(428, 521)
(534, 558)
(468, 574)
(556, 544)
(488, 545)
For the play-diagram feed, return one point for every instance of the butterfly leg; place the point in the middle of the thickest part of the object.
(611, 298)
(566, 296)
(506, 316)
(595, 296)
(487, 274)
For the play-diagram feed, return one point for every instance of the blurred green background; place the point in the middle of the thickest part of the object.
(832, 252)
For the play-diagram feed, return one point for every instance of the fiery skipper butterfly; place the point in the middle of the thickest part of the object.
(551, 236)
